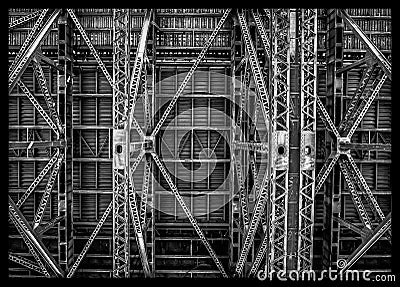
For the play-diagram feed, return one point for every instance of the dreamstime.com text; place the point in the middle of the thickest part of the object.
(333, 275)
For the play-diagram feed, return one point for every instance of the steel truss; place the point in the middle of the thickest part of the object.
(308, 95)
(280, 82)
(24, 19)
(263, 96)
(124, 195)
(275, 238)
(27, 51)
(149, 140)
(36, 247)
(121, 48)
(273, 93)
(60, 162)
(359, 105)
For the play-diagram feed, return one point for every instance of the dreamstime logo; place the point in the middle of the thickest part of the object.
(310, 275)
(195, 142)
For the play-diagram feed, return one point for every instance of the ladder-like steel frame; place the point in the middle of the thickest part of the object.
(273, 94)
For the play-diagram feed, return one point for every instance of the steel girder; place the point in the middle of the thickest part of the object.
(188, 214)
(150, 139)
(374, 51)
(39, 178)
(37, 68)
(62, 129)
(308, 95)
(357, 109)
(25, 262)
(28, 39)
(133, 208)
(29, 234)
(307, 54)
(122, 172)
(199, 58)
(377, 233)
(28, 49)
(236, 224)
(31, 249)
(15, 145)
(137, 70)
(280, 104)
(90, 240)
(346, 171)
(65, 103)
(121, 49)
(39, 108)
(49, 187)
(265, 107)
(91, 47)
(24, 19)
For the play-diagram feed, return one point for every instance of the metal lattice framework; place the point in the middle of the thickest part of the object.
(280, 120)
(265, 107)
(121, 73)
(32, 235)
(273, 87)
(356, 111)
(308, 94)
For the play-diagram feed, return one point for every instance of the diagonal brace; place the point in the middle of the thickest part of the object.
(20, 220)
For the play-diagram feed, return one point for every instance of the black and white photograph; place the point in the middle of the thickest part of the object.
(217, 143)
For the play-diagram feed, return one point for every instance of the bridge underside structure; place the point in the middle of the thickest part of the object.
(198, 142)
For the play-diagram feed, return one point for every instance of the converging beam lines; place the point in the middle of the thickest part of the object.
(28, 39)
(21, 222)
(189, 214)
(137, 69)
(17, 70)
(355, 99)
(375, 52)
(372, 202)
(255, 67)
(90, 240)
(30, 247)
(376, 86)
(199, 58)
(91, 47)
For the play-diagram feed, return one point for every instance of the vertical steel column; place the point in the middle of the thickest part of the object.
(121, 48)
(65, 60)
(294, 142)
(334, 54)
(147, 202)
(235, 219)
(308, 94)
(280, 81)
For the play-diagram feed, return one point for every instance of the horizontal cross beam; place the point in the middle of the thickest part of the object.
(34, 144)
